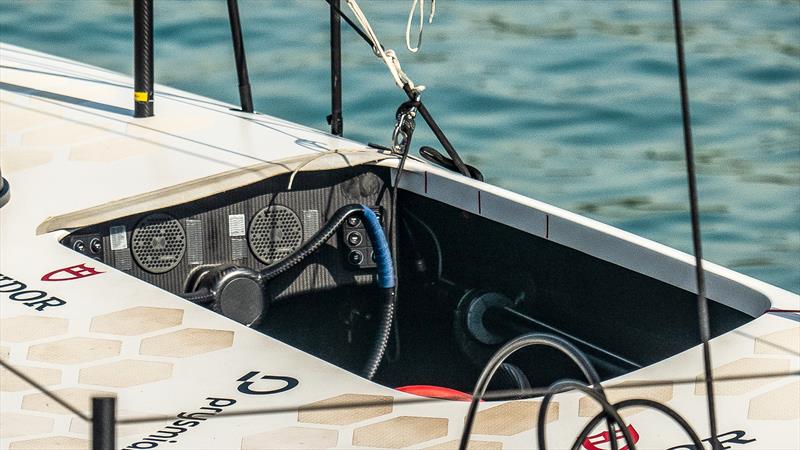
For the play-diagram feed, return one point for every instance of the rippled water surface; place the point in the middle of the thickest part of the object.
(573, 103)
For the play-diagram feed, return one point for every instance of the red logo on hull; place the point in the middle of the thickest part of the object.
(71, 273)
(600, 441)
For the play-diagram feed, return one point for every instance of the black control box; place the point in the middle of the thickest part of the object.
(356, 243)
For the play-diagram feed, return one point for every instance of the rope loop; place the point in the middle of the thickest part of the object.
(388, 56)
(415, 49)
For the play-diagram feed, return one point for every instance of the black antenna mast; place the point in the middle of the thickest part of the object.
(143, 58)
(245, 96)
(335, 119)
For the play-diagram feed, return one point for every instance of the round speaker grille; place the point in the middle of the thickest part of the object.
(158, 243)
(274, 233)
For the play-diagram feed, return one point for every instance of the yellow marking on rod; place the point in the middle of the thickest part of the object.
(140, 96)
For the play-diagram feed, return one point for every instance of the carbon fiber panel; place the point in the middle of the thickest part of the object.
(218, 229)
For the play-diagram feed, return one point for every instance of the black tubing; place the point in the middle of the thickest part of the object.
(200, 297)
(507, 350)
(322, 236)
(384, 332)
(386, 281)
(312, 245)
(383, 256)
(647, 404)
(608, 410)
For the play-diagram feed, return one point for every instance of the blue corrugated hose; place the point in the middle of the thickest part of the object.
(383, 256)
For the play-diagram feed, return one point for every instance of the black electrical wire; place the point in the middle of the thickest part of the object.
(387, 282)
(401, 111)
(5, 191)
(610, 412)
(395, 258)
(702, 302)
(420, 265)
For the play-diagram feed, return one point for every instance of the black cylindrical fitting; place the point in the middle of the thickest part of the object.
(104, 423)
(245, 95)
(143, 58)
(335, 119)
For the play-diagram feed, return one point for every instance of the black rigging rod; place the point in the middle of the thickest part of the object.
(412, 95)
(245, 96)
(335, 118)
(104, 423)
(448, 147)
(702, 302)
(143, 58)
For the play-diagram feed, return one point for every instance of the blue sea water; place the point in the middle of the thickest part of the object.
(573, 103)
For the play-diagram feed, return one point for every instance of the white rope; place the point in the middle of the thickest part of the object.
(339, 151)
(308, 161)
(421, 23)
(389, 57)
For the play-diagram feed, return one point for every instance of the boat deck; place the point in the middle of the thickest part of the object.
(82, 328)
